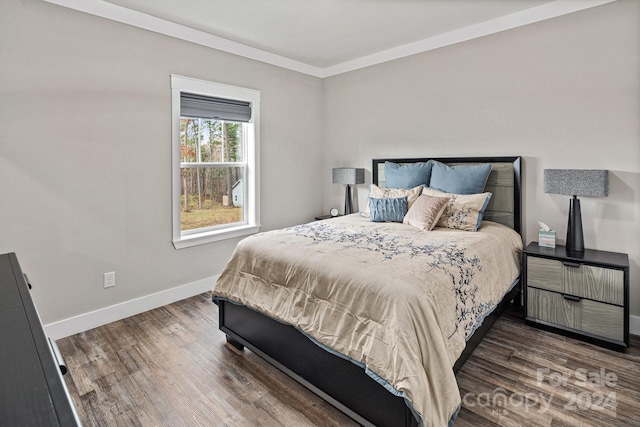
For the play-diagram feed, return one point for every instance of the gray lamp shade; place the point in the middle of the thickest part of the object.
(577, 182)
(348, 176)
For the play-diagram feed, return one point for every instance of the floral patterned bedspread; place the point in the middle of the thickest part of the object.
(399, 300)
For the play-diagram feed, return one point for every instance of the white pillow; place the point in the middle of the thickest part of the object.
(463, 212)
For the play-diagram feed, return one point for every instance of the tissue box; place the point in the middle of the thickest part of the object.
(547, 239)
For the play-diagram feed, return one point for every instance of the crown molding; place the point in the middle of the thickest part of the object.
(123, 15)
(503, 23)
(141, 20)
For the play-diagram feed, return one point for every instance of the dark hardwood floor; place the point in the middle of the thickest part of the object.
(171, 367)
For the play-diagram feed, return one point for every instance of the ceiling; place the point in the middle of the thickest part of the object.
(327, 37)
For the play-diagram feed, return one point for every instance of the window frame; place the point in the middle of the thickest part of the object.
(251, 219)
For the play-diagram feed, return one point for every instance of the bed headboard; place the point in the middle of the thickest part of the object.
(504, 182)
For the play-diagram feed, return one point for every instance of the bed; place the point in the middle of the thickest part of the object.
(340, 305)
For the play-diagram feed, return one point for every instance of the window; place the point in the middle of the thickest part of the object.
(215, 161)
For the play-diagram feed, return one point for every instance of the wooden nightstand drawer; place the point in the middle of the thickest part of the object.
(582, 315)
(577, 279)
(596, 283)
(545, 274)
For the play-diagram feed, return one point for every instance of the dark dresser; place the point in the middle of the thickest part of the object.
(32, 391)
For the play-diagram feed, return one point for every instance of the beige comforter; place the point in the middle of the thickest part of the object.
(399, 300)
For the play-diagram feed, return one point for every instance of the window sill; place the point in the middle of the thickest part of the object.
(215, 236)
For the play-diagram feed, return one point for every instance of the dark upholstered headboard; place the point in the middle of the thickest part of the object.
(504, 182)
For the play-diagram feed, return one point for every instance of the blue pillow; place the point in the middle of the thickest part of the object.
(383, 210)
(407, 176)
(460, 179)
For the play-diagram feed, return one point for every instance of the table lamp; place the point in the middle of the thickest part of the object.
(576, 182)
(348, 176)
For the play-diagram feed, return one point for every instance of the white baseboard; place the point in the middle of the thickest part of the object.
(634, 325)
(93, 319)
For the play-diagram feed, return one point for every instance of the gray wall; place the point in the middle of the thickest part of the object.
(85, 137)
(85, 154)
(562, 93)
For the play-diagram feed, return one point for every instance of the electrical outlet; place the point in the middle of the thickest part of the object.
(109, 279)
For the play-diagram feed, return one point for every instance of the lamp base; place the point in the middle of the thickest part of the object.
(575, 238)
(348, 204)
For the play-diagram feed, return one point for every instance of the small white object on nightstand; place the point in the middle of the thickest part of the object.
(546, 236)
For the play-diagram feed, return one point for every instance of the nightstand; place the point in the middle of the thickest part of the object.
(585, 294)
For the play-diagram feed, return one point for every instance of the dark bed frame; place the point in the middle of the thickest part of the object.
(340, 381)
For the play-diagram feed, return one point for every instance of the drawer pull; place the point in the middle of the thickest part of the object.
(571, 264)
(571, 298)
(26, 278)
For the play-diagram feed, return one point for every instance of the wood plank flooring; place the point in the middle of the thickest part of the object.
(171, 367)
